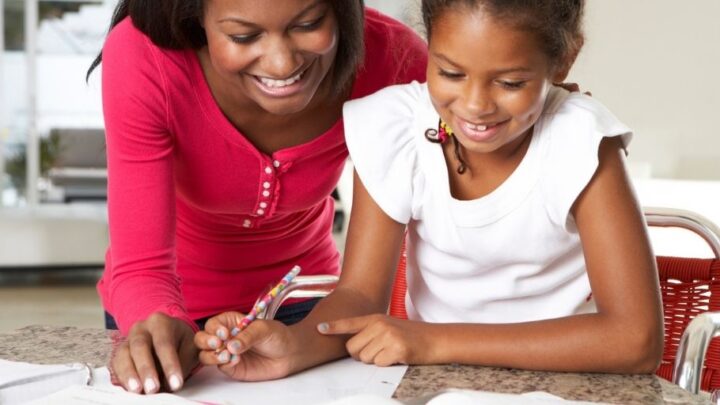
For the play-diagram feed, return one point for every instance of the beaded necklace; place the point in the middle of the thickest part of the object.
(441, 135)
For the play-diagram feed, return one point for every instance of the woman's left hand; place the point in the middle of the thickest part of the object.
(383, 340)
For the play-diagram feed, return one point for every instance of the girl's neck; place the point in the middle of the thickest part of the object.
(485, 172)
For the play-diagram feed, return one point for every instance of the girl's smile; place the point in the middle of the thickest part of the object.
(479, 132)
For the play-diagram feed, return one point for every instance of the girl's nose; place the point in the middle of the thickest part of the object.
(479, 101)
(281, 59)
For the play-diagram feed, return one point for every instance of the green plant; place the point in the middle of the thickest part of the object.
(16, 164)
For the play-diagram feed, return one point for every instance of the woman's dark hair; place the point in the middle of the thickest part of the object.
(175, 24)
(558, 23)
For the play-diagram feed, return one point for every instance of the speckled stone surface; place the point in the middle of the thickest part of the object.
(53, 344)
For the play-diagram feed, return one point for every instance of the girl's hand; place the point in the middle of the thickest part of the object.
(263, 351)
(383, 340)
(158, 352)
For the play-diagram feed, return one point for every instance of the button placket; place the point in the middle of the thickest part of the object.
(267, 185)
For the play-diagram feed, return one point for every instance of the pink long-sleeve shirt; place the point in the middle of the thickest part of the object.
(201, 221)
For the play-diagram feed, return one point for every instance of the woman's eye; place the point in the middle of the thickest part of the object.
(310, 25)
(450, 75)
(512, 85)
(243, 39)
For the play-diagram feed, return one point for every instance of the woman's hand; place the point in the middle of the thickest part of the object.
(263, 351)
(383, 340)
(158, 352)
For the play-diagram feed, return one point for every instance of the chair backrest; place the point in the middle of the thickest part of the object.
(689, 286)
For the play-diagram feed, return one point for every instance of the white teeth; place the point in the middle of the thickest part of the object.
(478, 127)
(280, 83)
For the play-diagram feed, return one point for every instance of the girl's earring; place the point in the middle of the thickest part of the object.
(433, 135)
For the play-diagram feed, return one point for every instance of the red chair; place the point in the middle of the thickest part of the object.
(689, 287)
(690, 290)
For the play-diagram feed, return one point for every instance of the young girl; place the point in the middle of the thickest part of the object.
(525, 244)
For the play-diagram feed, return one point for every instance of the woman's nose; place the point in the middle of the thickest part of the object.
(281, 59)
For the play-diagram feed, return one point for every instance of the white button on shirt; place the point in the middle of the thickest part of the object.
(266, 185)
(266, 193)
(263, 204)
(268, 170)
(260, 211)
(276, 163)
(247, 223)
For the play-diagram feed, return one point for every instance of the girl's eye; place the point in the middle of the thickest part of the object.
(512, 85)
(243, 39)
(450, 75)
(310, 25)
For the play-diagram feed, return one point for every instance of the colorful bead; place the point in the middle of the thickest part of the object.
(444, 131)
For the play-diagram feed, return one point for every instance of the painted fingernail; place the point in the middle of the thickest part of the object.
(150, 385)
(133, 385)
(221, 333)
(323, 327)
(175, 382)
(234, 359)
(224, 357)
(234, 346)
(235, 331)
(213, 343)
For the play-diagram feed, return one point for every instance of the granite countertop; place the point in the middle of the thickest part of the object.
(54, 344)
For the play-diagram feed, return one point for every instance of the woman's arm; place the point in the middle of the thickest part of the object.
(625, 335)
(140, 287)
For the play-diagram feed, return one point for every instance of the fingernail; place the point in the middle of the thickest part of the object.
(213, 343)
(133, 385)
(234, 346)
(323, 327)
(235, 331)
(224, 357)
(150, 385)
(221, 333)
(175, 382)
(234, 359)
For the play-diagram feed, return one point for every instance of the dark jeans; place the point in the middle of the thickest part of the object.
(287, 314)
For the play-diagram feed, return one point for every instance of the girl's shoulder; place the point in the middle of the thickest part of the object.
(387, 115)
(570, 132)
(575, 113)
(381, 132)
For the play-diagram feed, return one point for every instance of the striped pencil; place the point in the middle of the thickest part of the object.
(263, 302)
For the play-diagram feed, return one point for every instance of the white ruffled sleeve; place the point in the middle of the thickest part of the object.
(379, 137)
(575, 131)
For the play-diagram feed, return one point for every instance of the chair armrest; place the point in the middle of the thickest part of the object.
(692, 349)
(301, 287)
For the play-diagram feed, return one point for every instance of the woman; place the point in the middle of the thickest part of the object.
(225, 140)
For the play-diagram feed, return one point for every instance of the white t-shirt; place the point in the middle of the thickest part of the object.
(513, 255)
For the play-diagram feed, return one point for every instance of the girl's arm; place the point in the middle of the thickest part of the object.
(268, 349)
(625, 335)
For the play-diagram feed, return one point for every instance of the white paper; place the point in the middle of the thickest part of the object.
(328, 382)
(468, 397)
(84, 395)
(22, 382)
